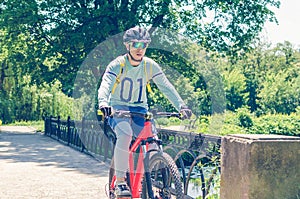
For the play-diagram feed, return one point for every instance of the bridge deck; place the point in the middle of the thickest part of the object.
(36, 166)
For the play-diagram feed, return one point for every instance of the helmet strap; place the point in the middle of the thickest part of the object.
(136, 60)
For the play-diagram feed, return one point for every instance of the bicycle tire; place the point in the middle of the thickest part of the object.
(163, 178)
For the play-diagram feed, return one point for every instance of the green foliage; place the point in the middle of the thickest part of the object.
(235, 88)
(232, 124)
(185, 77)
(43, 44)
(202, 124)
(268, 79)
(163, 121)
(276, 124)
(212, 177)
(174, 121)
(297, 110)
(39, 126)
(244, 118)
(279, 93)
(53, 37)
(243, 122)
(32, 102)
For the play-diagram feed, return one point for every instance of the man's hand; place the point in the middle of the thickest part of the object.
(106, 111)
(186, 112)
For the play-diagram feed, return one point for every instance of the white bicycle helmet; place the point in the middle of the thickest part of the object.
(136, 34)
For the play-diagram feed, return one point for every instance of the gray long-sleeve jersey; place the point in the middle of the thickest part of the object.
(131, 91)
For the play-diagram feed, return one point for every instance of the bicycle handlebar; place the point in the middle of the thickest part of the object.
(169, 114)
(148, 115)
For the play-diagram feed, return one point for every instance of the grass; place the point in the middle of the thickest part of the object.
(38, 125)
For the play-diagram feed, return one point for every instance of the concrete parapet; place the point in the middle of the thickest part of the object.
(260, 167)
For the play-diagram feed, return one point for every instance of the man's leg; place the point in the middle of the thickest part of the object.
(121, 155)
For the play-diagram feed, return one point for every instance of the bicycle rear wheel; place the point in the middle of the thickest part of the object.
(162, 179)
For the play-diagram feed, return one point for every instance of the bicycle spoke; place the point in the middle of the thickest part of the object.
(165, 178)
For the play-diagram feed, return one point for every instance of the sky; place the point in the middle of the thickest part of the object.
(288, 28)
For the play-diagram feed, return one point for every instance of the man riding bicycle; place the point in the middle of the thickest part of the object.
(123, 87)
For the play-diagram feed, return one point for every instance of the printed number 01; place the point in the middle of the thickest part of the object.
(129, 82)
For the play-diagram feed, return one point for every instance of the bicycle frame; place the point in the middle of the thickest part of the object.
(136, 177)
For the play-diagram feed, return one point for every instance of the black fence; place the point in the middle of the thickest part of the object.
(197, 155)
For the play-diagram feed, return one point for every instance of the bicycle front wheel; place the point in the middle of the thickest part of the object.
(162, 179)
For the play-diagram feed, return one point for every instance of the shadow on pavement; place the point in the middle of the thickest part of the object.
(18, 146)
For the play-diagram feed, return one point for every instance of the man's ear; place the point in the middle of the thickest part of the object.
(127, 46)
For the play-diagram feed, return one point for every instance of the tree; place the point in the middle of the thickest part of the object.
(67, 30)
(271, 78)
(279, 89)
(279, 94)
(235, 88)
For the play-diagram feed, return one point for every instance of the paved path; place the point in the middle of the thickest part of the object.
(35, 166)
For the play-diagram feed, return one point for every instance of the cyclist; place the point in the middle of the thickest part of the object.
(123, 87)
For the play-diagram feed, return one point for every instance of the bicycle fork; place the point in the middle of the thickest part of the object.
(146, 162)
(147, 170)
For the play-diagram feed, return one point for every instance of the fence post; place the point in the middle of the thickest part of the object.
(58, 128)
(50, 121)
(69, 129)
(82, 137)
(260, 166)
(46, 125)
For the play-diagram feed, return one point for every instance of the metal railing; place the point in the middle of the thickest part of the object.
(197, 155)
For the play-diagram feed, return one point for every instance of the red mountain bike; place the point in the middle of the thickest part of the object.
(152, 173)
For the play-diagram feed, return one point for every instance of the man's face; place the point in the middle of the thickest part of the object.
(137, 49)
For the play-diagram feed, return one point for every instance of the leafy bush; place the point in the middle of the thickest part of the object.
(163, 121)
(279, 93)
(232, 129)
(228, 124)
(244, 118)
(0, 122)
(202, 124)
(232, 123)
(31, 102)
(277, 124)
(174, 121)
(244, 122)
(298, 110)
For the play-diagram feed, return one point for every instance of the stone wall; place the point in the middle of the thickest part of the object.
(260, 167)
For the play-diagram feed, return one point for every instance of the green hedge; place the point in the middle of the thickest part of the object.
(276, 124)
(242, 121)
